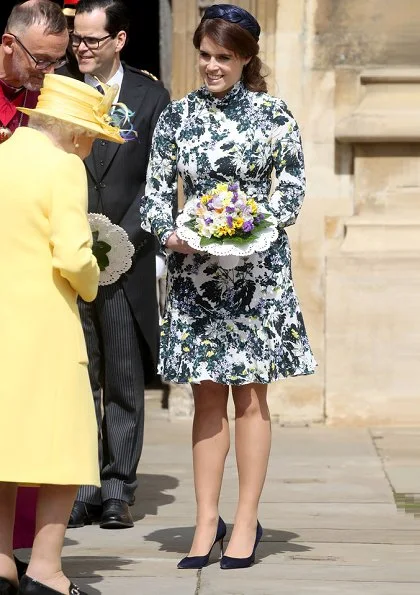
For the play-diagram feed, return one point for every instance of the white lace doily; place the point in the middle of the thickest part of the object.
(266, 237)
(122, 250)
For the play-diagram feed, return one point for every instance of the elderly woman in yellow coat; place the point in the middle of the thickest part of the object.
(48, 434)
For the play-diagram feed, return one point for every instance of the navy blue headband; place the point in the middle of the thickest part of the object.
(234, 14)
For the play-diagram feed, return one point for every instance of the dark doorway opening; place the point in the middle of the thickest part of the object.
(142, 50)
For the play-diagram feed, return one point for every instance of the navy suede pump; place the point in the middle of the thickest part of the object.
(228, 563)
(197, 562)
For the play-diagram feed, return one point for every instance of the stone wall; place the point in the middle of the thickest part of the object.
(351, 82)
(365, 33)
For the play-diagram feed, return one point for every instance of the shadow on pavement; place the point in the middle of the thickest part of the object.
(89, 570)
(178, 539)
(150, 494)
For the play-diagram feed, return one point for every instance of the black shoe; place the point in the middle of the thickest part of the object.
(198, 562)
(29, 586)
(21, 567)
(228, 563)
(7, 588)
(116, 515)
(84, 514)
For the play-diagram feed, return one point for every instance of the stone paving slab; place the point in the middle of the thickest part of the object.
(305, 587)
(331, 524)
(139, 586)
(318, 570)
(399, 450)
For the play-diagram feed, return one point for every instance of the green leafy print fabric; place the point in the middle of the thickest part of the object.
(230, 326)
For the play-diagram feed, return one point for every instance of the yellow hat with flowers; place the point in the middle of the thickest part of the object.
(75, 102)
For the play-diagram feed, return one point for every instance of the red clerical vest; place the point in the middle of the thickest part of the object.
(10, 99)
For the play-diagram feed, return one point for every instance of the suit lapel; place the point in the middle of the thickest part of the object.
(132, 94)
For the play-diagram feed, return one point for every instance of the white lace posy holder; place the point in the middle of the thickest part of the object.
(122, 250)
(229, 253)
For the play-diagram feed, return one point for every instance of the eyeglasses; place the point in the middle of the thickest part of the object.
(41, 64)
(90, 42)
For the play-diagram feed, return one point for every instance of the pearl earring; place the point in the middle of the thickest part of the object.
(76, 145)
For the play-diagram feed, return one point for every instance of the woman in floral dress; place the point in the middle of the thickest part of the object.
(241, 328)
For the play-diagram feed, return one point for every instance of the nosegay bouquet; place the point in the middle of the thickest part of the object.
(227, 213)
(111, 247)
(226, 222)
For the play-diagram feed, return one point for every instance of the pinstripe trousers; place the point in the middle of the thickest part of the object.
(114, 344)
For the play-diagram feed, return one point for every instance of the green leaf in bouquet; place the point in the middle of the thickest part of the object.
(190, 224)
(240, 240)
(258, 229)
(209, 241)
(100, 250)
(263, 225)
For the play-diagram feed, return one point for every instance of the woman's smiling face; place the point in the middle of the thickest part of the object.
(219, 67)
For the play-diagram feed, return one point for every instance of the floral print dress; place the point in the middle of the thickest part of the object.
(241, 325)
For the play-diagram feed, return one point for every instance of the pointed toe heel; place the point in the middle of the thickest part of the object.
(198, 562)
(228, 563)
(29, 586)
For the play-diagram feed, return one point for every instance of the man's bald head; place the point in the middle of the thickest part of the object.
(37, 12)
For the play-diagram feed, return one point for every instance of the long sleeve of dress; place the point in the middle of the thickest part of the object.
(156, 209)
(71, 238)
(287, 155)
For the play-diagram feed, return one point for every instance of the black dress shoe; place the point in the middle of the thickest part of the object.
(21, 567)
(116, 515)
(84, 514)
(29, 586)
(7, 588)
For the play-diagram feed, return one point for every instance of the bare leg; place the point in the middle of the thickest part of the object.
(53, 511)
(210, 446)
(7, 519)
(252, 441)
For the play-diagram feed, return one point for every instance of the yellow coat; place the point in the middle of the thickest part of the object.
(48, 431)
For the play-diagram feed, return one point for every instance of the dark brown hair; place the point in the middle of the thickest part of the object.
(116, 12)
(239, 41)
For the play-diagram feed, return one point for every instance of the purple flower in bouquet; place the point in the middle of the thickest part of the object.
(227, 213)
(248, 226)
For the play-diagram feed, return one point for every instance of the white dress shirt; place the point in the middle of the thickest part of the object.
(114, 80)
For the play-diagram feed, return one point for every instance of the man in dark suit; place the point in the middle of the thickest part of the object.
(121, 325)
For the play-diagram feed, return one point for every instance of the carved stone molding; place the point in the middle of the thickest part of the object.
(385, 109)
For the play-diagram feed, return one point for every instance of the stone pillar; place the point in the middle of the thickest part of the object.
(373, 266)
(165, 17)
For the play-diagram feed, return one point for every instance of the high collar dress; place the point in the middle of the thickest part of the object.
(245, 324)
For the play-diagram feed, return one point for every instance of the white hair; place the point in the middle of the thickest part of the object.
(60, 130)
